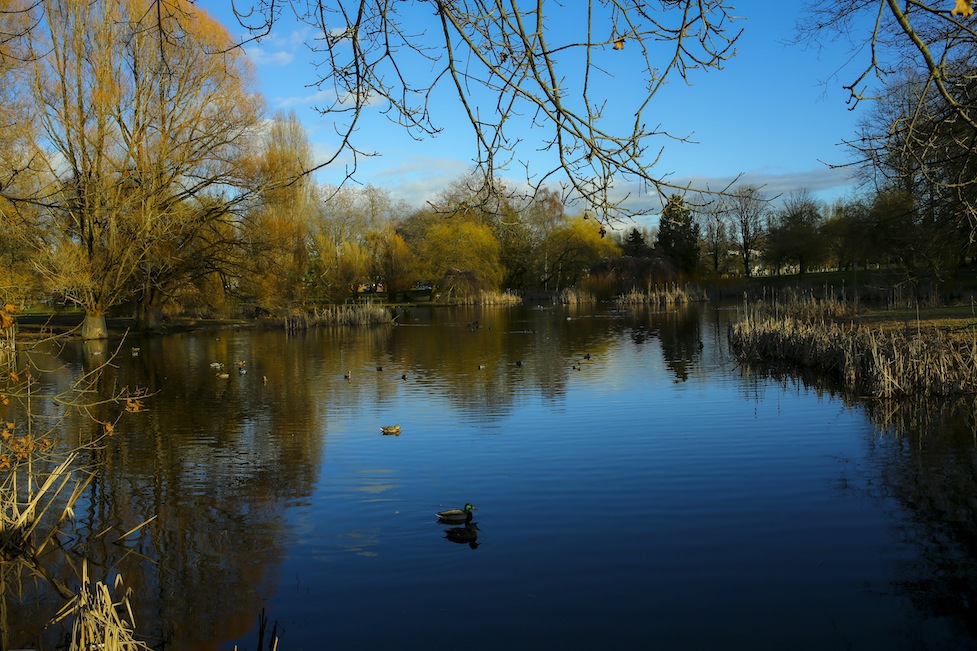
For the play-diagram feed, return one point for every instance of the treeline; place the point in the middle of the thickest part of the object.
(889, 228)
(141, 176)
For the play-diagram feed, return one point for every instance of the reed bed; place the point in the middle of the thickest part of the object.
(348, 315)
(484, 297)
(666, 295)
(575, 296)
(889, 363)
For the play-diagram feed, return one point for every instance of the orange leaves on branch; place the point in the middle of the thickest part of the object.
(133, 405)
(963, 8)
(109, 429)
(4, 399)
(7, 315)
(619, 41)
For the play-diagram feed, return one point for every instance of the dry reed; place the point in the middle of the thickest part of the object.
(483, 297)
(665, 295)
(101, 622)
(872, 362)
(575, 296)
(347, 315)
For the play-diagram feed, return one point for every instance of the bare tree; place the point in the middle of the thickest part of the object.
(509, 68)
(917, 62)
(713, 219)
(747, 208)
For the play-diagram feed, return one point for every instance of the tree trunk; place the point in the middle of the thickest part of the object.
(93, 327)
(149, 319)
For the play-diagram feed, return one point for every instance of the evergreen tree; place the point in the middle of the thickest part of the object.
(678, 235)
(634, 244)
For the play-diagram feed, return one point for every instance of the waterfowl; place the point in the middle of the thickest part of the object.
(403, 377)
(241, 370)
(379, 368)
(390, 430)
(217, 365)
(458, 516)
(349, 375)
(222, 376)
(135, 351)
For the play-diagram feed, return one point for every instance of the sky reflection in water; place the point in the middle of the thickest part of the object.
(659, 495)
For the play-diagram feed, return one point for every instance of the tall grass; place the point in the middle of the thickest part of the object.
(881, 363)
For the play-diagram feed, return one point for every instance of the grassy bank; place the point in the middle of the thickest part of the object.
(911, 352)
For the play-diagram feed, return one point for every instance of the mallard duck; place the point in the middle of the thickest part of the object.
(217, 365)
(458, 516)
(390, 430)
(222, 376)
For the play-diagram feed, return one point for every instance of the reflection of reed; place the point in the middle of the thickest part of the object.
(928, 465)
(921, 417)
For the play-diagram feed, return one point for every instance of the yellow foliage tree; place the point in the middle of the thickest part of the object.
(451, 246)
(141, 131)
(569, 251)
(276, 229)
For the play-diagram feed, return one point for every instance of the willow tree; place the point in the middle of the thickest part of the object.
(141, 130)
(276, 230)
(580, 78)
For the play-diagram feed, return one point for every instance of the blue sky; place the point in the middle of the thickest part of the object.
(776, 113)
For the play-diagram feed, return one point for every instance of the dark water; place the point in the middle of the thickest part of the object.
(655, 496)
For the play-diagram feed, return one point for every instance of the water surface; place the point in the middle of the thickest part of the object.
(634, 488)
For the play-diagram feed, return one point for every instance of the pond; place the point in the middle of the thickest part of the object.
(634, 488)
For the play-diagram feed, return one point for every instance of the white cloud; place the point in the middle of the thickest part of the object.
(319, 96)
(263, 57)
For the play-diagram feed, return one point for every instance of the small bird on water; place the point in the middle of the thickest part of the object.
(457, 516)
